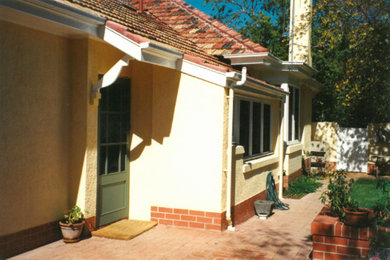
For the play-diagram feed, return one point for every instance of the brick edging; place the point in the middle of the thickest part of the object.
(189, 218)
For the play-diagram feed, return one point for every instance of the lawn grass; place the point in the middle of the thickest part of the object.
(365, 192)
(301, 186)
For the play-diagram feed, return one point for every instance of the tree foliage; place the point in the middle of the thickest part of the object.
(351, 51)
(264, 22)
(350, 48)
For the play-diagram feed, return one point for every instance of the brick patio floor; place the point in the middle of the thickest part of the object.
(285, 235)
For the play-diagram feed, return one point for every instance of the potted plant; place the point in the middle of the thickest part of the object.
(353, 215)
(341, 203)
(72, 225)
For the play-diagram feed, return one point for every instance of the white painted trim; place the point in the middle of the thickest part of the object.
(259, 163)
(204, 73)
(294, 148)
(122, 43)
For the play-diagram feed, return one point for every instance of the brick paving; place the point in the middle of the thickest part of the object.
(285, 235)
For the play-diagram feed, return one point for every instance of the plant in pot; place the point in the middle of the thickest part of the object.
(72, 225)
(340, 202)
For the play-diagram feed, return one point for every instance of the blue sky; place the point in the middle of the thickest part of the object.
(201, 5)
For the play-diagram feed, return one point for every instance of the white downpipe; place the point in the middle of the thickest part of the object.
(281, 149)
(230, 150)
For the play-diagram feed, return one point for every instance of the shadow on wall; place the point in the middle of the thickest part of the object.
(153, 99)
(352, 149)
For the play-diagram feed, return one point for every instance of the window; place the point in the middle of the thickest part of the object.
(294, 110)
(252, 126)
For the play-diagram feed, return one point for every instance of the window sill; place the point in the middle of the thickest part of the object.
(292, 148)
(258, 163)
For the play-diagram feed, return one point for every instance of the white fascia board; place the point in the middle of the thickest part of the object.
(146, 51)
(57, 12)
(205, 73)
(122, 43)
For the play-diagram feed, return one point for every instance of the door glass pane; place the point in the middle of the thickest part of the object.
(267, 129)
(102, 160)
(256, 128)
(113, 158)
(123, 157)
(103, 104)
(244, 125)
(114, 97)
(113, 128)
(103, 128)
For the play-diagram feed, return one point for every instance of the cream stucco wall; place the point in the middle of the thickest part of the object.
(34, 117)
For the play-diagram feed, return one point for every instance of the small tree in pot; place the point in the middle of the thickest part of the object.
(341, 203)
(72, 225)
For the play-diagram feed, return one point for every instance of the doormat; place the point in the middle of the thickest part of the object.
(125, 229)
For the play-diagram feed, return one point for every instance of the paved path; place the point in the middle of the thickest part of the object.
(285, 235)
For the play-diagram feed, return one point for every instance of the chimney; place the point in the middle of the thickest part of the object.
(300, 31)
(141, 6)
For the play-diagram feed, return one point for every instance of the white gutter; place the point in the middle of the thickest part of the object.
(60, 13)
(229, 149)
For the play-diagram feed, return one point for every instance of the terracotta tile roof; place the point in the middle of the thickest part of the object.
(142, 27)
(209, 34)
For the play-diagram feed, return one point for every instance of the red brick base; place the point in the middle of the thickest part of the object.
(189, 218)
(287, 179)
(28, 239)
(245, 210)
(332, 239)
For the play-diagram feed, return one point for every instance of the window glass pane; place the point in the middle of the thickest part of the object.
(102, 160)
(113, 158)
(244, 125)
(256, 128)
(296, 114)
(113, 128)
(291, 113)
(267, 129)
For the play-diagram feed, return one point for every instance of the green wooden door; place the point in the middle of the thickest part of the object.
(113, 153)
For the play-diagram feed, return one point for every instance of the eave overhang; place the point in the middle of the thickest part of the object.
(268, 65)
(55, 12)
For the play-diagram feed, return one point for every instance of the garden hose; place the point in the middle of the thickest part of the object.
(272, 195)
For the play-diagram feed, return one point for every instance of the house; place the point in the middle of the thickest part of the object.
(107, 105)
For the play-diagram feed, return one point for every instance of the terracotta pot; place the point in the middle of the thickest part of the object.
(357, 218)
(71, 233)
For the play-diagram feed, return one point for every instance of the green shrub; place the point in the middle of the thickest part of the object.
(302, 186)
